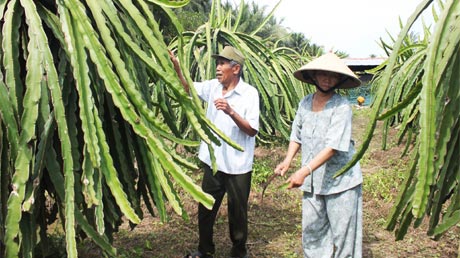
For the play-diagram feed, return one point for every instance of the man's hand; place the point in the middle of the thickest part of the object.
(178, 71)
(174, 60)
(222, 104)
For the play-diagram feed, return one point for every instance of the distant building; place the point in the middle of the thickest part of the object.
(360, 65)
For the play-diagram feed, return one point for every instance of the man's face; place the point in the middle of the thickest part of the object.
(225, 72)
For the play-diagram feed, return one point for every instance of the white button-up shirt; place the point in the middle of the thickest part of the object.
(244, 100)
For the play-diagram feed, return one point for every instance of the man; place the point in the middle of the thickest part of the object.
(233, 106)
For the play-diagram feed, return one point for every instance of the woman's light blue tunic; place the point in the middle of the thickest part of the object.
(315, 131)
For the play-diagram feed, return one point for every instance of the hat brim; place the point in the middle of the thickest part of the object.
(330, 63)
(347, 81)
(216, 56)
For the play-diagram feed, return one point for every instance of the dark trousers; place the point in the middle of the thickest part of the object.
(237, 188)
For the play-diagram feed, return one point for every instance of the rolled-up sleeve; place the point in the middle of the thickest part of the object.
(203, 89)
(252, 115)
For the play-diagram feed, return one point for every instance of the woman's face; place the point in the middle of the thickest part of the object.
(326, 80)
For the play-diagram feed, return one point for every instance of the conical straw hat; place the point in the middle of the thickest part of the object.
(331, 63)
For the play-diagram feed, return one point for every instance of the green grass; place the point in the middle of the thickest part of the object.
(384, 183)
(261, 170)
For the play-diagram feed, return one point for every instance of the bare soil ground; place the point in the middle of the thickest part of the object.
(275, 226)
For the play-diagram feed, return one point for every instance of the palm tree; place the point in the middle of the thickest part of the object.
(193, 14)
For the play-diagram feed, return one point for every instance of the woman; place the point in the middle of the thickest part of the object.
(331, 207)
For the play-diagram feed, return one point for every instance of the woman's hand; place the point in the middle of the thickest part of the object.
(297, 179)
(282, 168)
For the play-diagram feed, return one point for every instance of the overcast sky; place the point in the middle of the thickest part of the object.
(352, 26)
